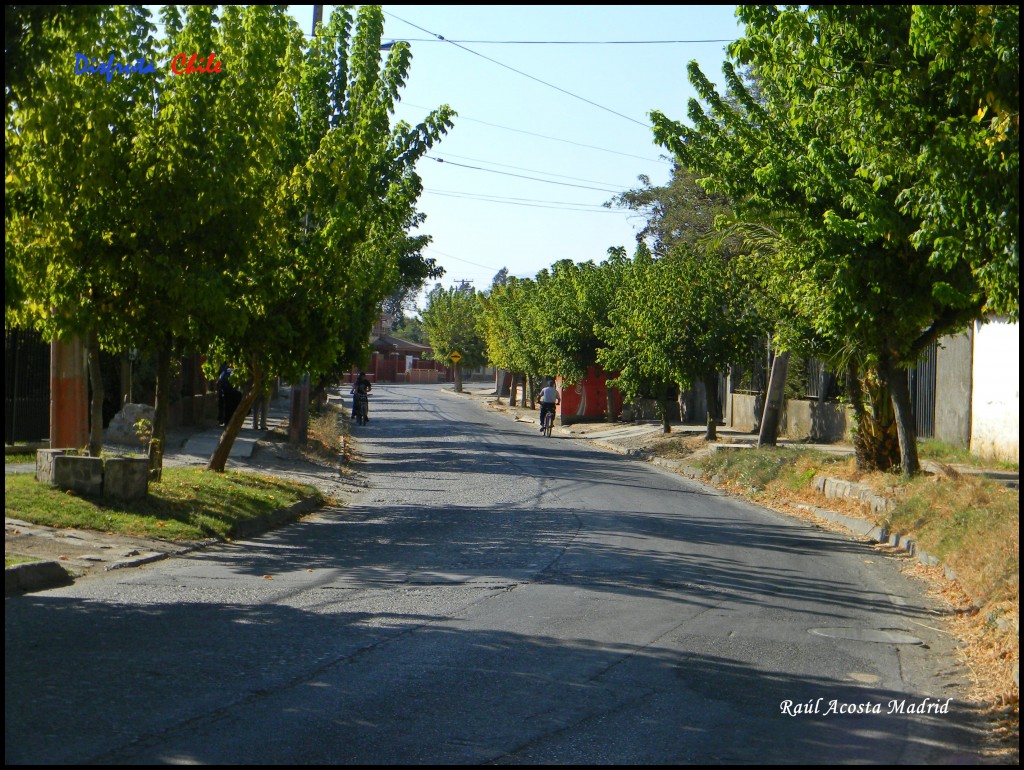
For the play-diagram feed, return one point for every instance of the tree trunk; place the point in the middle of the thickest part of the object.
(666, 424)
(96, 406)
(160, 411)
(531, 385)
(875, 437)
(711, 398)
(298, 415)
(219, 458)
(458, 378)
(126, 381)
(610, 393)
(906, 426)
(769, 432)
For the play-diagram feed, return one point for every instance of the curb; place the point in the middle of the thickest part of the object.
(34, 576)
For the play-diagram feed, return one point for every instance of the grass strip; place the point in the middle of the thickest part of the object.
(187, 504)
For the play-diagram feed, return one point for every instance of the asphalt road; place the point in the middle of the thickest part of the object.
(495, 597)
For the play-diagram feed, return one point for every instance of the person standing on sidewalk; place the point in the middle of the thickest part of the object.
(549, 399)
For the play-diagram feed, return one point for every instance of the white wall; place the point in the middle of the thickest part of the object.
(995, 403)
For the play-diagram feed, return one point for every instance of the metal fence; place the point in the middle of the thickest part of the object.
(26, 387)
(921, 380)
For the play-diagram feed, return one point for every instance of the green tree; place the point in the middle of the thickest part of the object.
(638, 336)
(452, 319)
(506, 326)
(69, 188)
(208, 165)
(343, 213)
(679, 212)
(680, 320)
(833, 81)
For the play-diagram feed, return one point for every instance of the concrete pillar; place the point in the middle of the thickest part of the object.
(69, 395)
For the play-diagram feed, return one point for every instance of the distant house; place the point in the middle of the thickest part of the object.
(397, 360)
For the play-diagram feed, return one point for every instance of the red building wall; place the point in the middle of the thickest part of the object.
(587, 400)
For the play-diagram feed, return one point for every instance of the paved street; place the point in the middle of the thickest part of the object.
(496, 597)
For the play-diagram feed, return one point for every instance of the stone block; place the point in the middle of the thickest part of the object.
(44, 464)
(79, 474)
(126, 478)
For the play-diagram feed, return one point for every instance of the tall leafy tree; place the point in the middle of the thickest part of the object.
(70, 195)
(343, 211)
(864, 277)
(681, 319)
(507, 327)
(208, 164)
(638, 335)
(680, 212)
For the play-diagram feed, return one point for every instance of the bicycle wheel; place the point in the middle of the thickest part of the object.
(549, 421)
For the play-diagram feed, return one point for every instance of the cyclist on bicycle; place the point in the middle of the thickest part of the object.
(549, 399)
(360, 388)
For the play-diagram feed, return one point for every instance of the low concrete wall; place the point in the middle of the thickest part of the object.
(820, 421)
(816, 420)
(422, 376)
(126, 478)
(70, 471)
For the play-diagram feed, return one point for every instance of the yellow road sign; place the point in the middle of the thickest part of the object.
(456, 356)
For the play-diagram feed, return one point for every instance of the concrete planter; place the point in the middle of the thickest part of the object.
(126, 478)
(123, 478)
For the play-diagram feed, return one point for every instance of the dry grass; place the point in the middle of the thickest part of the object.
(328, 436)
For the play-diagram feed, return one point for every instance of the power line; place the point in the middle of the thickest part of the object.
(524, 74)
(511, 198)
(560, 42)
(457, 259)
(521, 176)
(533, 170)
(544, 136)
(514, 202)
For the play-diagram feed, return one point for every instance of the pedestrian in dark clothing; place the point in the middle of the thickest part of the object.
(228, 395)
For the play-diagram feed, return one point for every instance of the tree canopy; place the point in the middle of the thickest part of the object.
(829, 144)
(258, 212)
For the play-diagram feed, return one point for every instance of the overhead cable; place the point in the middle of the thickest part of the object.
(524, 74)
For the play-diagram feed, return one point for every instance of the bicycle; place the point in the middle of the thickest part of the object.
(361, 408)
(549, 423)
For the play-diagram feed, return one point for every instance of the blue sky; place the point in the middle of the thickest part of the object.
(482, 220)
